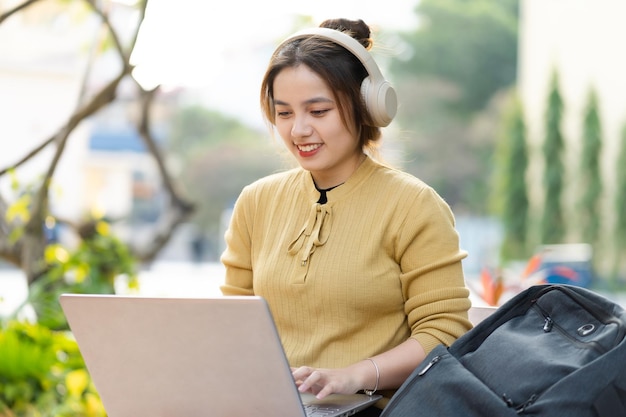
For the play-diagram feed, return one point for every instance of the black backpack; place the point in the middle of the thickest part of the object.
(552, 350)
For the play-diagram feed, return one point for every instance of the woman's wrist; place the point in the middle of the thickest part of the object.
(369, 390)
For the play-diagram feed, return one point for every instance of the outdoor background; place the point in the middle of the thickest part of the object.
(514, 111)
(128, 128)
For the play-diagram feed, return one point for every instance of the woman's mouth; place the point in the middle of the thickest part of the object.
(309, 149)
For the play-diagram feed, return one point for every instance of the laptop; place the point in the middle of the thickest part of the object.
(192, 357)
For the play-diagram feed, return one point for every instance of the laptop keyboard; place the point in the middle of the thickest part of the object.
(320, 410)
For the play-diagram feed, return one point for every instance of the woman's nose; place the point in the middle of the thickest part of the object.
(301, 127)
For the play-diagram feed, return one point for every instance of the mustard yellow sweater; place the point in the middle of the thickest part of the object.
(377, 264)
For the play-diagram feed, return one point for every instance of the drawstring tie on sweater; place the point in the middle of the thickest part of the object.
(314, 233)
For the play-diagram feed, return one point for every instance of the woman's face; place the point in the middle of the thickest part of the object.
(309, 121)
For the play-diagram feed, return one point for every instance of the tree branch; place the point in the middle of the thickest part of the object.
(31, 154)
(111, 30)
(28, 252)
(34, 240)
(17, 9)
(180, 210)
(8, 252)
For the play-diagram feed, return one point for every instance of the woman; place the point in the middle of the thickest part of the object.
(359, 262)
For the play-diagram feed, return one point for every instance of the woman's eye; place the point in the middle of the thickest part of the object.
(318, 113)
(283, 114)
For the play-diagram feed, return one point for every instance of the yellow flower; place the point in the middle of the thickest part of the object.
(103, 228)
(56, 253)
(76, 382)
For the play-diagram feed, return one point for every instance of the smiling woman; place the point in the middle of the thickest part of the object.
(363, 272)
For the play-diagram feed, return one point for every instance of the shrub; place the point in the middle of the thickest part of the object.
(42, 374)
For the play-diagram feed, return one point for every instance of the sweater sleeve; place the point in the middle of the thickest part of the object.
(237, 258)
(436, 298)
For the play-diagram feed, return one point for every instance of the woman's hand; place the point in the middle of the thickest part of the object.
(390, 370)
(322, 382)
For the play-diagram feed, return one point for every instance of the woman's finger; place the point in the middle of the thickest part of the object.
(311, 381)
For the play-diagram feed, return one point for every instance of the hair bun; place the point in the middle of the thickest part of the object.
(358, 29)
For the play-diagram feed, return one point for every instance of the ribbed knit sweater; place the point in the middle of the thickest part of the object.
(378, 263)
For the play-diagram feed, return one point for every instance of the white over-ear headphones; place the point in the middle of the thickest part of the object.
(379, 96)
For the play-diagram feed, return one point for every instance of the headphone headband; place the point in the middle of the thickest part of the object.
(379, 96)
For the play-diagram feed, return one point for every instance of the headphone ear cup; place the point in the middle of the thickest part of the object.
(378, 95)
(381, 101)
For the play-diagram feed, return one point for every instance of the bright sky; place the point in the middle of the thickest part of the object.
(221, 48)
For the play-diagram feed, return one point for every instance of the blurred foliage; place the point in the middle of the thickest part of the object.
(18, 212)
(91, 265)
(619, 230)
(590, 181)
(457, 60)
(510, 192)
(195, 128)
(553, 221)
(42, 374)
(218, 156)
(470, 44)
(90, 268)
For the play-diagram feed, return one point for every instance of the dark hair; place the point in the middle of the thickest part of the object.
(342, 71)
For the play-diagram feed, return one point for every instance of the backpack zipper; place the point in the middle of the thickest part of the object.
(522, 407)
(432, 362)
(519, 408)
(549, 324)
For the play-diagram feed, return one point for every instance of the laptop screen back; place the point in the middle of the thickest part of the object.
(165, 357)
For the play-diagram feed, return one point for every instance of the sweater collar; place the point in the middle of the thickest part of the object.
(362, 173)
